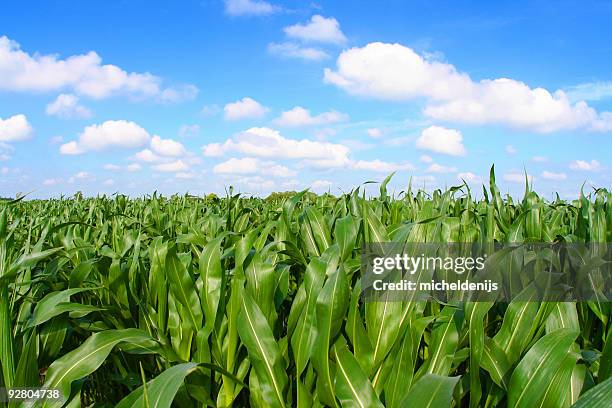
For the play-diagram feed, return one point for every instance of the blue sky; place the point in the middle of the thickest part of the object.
(135, 96)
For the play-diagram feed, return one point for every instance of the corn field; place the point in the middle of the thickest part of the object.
(185, 301)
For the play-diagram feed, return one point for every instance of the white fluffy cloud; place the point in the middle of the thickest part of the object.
(67, 106)
(549, 175)
(112, 133)
(380, 166)
(250, 165)
(396, 72)
(293, 50)
(392, 71)
(318, 29)
(167, 147)
(593, 165)
(269, 143)
(441, 140)
(82, 74)
(246, 108)
(511, 150)
(299, 116)
(15, 128)
(249, 8)
(147, 156)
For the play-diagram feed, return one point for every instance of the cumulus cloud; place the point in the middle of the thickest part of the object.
(269, 143)
(15, 129)
(112, 133)
(293, 50)
(246, 108)
(82, 74)
(66, 106)
(250, 165)
(318, 29)
(380, 166)
(584, 165)
(167, 147)
(133, 167)
(441, 140)
(249, 8)
(147, 156)
(549, 175)
(299, 116)
(511, 150)
(265, 143)
(396, 72)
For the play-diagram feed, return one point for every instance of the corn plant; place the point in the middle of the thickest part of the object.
(234, 301)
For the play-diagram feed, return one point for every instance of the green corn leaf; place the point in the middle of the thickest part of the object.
(183, 289)
(536, 371)
(431, 391)
(85, 359)
(264, 352)
(352, 386)
(597, 397)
